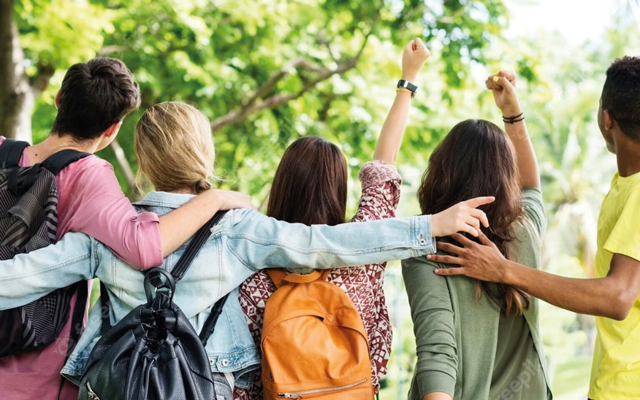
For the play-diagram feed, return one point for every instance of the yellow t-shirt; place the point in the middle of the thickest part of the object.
(615, 373)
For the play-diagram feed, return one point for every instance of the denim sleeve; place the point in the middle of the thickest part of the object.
(263, 242)
(27, 277)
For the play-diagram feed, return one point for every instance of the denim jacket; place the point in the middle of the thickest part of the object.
(244, 242)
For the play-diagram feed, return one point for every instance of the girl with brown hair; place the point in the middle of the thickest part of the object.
(310, 187)
(479, 340)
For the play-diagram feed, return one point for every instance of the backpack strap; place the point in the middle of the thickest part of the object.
(280, 277)
(105, 306)
(77, 318)
(210, 324)
(178, 271)
(11, 152)
(194, 246)
(58, 161)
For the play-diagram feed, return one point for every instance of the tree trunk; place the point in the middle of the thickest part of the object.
(18, 92)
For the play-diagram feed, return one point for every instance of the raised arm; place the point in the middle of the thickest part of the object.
(503, 86)
(413, 58)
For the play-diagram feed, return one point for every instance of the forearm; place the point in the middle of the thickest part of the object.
(393, 129)
(525, 153)
(27, 277)
(599, 297)
(182, 223)
(263, 242)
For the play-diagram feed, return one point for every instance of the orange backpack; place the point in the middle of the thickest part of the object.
(314, 344)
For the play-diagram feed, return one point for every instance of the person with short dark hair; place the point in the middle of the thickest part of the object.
(94, 96)
(94, 99)
(613, 296)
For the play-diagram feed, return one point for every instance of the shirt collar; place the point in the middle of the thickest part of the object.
(164, 199)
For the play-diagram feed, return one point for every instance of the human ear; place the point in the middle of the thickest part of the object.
(608, 119)
(113, 129)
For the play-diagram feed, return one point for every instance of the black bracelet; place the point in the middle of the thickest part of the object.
(513, 119)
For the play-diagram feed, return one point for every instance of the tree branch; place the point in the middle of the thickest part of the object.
(126, 168)
(254, 104)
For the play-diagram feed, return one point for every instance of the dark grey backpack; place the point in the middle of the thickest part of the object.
(28, 221)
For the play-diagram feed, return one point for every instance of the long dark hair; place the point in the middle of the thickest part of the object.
(477, 159)
(310, 186)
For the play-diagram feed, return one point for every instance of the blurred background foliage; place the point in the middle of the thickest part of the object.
(269, 71)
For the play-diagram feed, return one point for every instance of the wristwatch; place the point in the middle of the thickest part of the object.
(409, 86)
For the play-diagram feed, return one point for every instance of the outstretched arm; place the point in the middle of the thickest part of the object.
(611, 296)
(413, 58)
(503, 86)
(260, 242)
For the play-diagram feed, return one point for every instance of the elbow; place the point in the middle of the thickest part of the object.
(620, 307)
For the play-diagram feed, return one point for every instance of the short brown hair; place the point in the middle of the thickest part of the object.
(477, 159)
(95, 95)
(310, 186)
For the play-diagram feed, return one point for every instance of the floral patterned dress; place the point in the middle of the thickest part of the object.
(363, 284)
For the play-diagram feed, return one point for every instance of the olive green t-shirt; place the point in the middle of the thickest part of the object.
(470, 349)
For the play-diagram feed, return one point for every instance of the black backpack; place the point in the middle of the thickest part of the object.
(154, 353)
(28, 221)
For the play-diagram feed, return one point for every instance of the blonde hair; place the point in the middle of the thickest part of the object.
(175, 148)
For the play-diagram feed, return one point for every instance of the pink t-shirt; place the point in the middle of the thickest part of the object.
(90, 201)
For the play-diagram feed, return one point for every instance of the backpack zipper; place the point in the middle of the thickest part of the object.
(298, 395)
(92, 395)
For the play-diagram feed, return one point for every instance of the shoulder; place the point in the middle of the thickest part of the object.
(91, 163)
(533, 214)
(91, 171)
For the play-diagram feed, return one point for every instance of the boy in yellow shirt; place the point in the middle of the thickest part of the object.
(614, 295)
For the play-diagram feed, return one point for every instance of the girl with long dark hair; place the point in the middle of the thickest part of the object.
(310, 187)
(478, 340)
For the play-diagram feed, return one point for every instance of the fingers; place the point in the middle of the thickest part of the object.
(468, 229)
(501, 80)
(478, 201)
(417, 46)
(510, 76)
(485, 240)
(450, 271)
(480, 215)
(409, 47)
(463, 240)
(444, 259)
(474, 223)
(449, 248)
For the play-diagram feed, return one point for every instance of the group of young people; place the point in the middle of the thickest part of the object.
(475, 339)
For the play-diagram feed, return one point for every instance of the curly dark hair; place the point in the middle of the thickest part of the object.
(621, 95)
